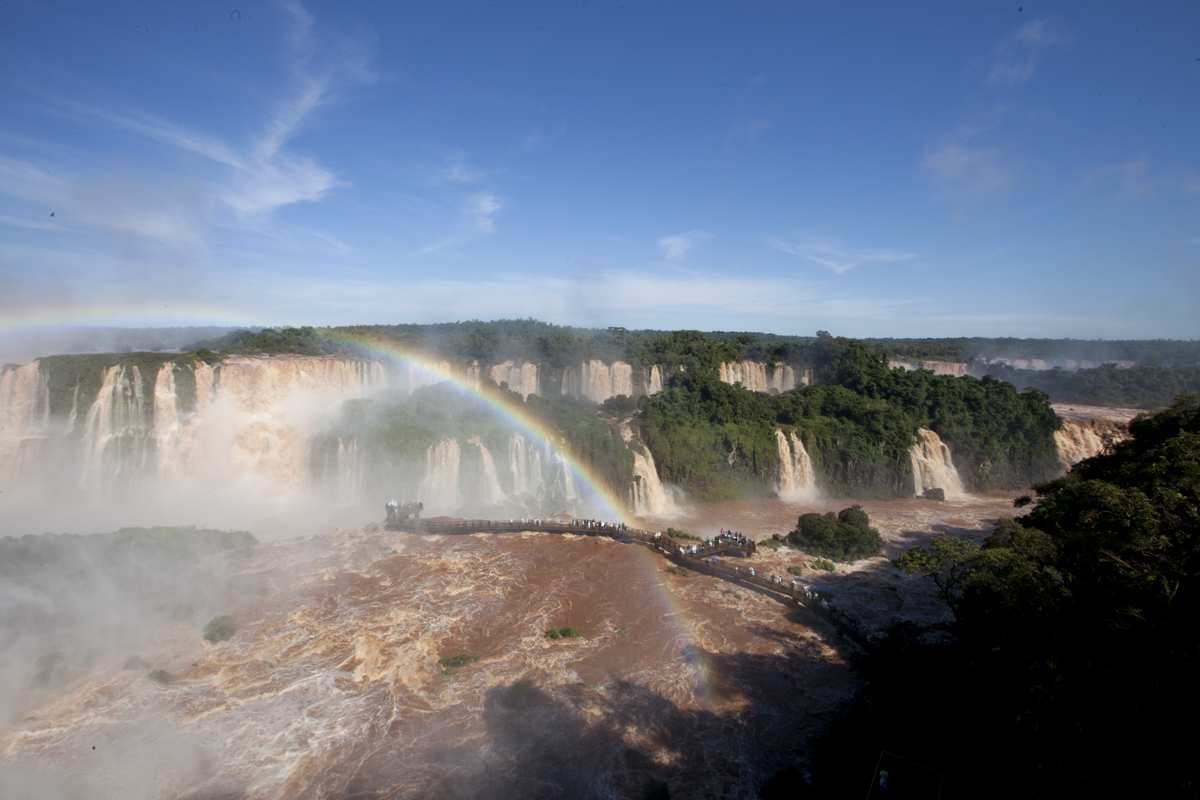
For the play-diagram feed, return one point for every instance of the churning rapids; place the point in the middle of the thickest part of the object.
(331, 687)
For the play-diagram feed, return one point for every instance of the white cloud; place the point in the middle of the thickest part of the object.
(1131, 178)
(967, 171)
(481, 209)
(676, 247)
(1018, 54)
(837, 256)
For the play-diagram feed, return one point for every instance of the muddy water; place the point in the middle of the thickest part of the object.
(330, 688)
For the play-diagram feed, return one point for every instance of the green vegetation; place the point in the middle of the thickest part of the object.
(771, 542)
(135, 662)
(1075, 641)
(682, 572)
(821, 564)
(845, 536)
(797, 571)
(161, 676)
(219, 629)
(563, 633)
(455, 662)
(718, 442)
(681, 535)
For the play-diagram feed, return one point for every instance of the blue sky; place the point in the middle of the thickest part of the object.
(871, 169)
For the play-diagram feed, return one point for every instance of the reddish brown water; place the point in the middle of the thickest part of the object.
(331, 687)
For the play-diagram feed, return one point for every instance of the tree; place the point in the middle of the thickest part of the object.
(948, 562)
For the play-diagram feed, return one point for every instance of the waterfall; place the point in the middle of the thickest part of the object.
(647, 496)
(522, 378)
(797, 479)
(598, 381)
(349, 472)
(654, 380)
(24, 402)
(166, 418)
(1079, 439)
(492, 493)
(563, 485)
(932, 466)
(525, 464)
(113, 434)
(439, 488)
(70, 426)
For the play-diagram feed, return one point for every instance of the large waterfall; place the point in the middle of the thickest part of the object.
(245, 417)
(490, 491)
(439, 489)
(522, 378)
(932, 466)
(24, 402)
(525, 464)
(757, 378)
(114, 431)
(598, 381)
(654, 383)
(797, 479)
(647, 495)
(1081, 439)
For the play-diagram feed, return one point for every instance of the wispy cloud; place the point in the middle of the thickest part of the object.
(263, 173)
(1131, 179)
(481, 210)
(676, 247)
(837, 256)
(967, 171)
(1017, 55)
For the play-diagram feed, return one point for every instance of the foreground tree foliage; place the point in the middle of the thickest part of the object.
(1070, 670)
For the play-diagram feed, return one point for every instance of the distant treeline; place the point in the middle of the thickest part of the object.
(718, 441)
(1162, 351)
(1143, 386)
(559, 346)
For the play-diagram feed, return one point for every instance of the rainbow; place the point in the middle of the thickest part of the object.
(596, 493)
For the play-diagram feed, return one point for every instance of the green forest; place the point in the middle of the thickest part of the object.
(718, 442)
(1069, 669)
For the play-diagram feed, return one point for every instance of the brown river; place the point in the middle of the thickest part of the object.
(331, 686)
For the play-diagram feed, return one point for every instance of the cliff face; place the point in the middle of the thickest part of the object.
(250, 418)
(758, 378)
(955, 368)
(598, 381)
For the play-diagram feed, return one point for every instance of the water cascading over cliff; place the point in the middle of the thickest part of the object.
(647, 495)
(490, 491)
(1078, 440)
(758, 378)
(24, 419)
(114, 430)
(598, 381)
(522, 378)
(439, 489)
(932, 466)
(525, 465)
(247, 418)
(653, 380)
(797, 479)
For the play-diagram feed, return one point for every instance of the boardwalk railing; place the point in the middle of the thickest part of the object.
(674, 549)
